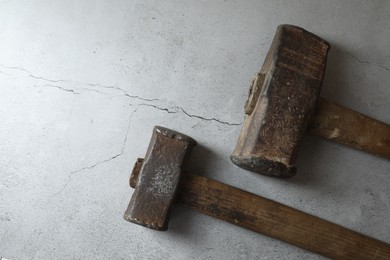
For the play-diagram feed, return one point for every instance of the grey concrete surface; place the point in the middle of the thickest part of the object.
(83, 83)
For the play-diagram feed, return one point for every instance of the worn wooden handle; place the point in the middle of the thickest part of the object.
(274, 219)
(345, 126)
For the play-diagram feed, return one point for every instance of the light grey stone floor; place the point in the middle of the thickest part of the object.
(84, 82)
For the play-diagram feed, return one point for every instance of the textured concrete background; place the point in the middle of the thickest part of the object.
(83, 83)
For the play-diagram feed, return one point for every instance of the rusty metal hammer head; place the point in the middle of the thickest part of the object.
(282, 100)
(158, 178)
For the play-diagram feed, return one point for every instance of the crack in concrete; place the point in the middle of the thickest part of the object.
(177, 109)
(208, 119)
(123, 91)
(141, 98)
(173, 110)
(97, 85)
(367, 62)
(31, 75)
(70, 175)
(73, 91)
(156, 107)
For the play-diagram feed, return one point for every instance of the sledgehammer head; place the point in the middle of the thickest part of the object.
(158, 179)
(282, 99)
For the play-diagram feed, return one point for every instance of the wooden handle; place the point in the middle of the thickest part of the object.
(274, 219)
(345, 126)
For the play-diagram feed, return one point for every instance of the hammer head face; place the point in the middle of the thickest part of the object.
(281, 101)
(159, 178)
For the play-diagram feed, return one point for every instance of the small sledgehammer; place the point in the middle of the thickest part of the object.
(159, 178)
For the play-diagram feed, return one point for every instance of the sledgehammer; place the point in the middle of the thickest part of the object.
(159, 178)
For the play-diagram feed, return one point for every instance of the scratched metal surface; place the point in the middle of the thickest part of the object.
(84, 82)
(159, 178)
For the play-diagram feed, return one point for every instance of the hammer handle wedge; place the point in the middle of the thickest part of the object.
(345, 126)
(273, 219)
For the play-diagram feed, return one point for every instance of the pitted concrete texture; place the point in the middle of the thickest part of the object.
(84, 82)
